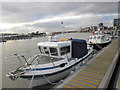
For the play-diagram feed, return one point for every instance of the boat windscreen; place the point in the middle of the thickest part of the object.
(102, 37)
(53, 51)
(94, 37)
(64, 50)
(90, 37)
(46, 50)
(98, 37)
(41, 50)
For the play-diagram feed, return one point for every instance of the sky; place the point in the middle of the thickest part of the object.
(26, 17)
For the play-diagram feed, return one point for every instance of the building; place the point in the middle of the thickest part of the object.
(116, 23)
(94, 28)
(102, 27)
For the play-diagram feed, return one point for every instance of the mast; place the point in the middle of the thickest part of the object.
(62, 25)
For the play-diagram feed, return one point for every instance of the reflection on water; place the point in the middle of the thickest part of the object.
(27, 48)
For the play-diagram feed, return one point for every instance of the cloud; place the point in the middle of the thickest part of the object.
(59, 1)
(45, 16)
(29, 11)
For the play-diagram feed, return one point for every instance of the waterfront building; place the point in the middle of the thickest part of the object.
(102, 27)
(94, 28)
(116, 23)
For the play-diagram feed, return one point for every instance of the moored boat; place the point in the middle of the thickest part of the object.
(99, 40)
(55, 61)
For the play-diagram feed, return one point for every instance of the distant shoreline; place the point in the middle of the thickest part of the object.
(24, 37)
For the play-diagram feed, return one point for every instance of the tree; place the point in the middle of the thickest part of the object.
(37, 32)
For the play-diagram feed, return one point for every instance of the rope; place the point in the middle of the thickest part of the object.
(43, 76)
(33, 76)
(31, 80)
(49, 80)
(98, 46)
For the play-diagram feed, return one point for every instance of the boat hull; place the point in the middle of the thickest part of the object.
(40, 80)
(99, 46)
(45, 79)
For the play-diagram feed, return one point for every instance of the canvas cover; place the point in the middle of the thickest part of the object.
(79, 48)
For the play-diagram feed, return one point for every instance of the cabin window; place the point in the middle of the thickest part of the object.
(64, 50)
(94, 37)
(46, 50)
(102, 37)
(90, 37)
(41, 50)
(53, 51)
(68, 49)
(98, 37)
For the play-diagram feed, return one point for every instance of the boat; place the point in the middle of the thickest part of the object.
(2, 41)
(56, 60)
(99, 40)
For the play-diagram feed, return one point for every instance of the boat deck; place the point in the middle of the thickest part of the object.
(97, 72)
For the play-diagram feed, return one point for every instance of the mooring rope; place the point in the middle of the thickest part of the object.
(98, 46)
(43, 76)
(32, 76)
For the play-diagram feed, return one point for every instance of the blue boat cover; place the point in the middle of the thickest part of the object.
(79, 48)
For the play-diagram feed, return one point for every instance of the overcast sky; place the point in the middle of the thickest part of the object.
(47, 16)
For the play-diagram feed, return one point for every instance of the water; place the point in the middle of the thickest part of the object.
(0, 66)
(10, 62)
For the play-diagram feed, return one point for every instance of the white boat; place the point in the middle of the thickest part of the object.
(99, 40)
(55, 61)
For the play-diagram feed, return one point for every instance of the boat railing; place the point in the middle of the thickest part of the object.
(32, 59)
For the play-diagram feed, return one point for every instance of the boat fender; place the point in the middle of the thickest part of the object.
(76, 68)
(71, 72)
(62, 65)
(84, 62)
(61, 81)
(90, 42)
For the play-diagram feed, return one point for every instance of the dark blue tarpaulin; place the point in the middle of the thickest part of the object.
(79, 48)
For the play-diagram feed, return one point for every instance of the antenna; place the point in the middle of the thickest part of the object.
(62, 24)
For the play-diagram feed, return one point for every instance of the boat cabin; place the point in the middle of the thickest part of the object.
(60, 49)
(98, 38)
(72, 48)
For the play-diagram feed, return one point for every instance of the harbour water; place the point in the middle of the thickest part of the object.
(27, 48)
(0, 66)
